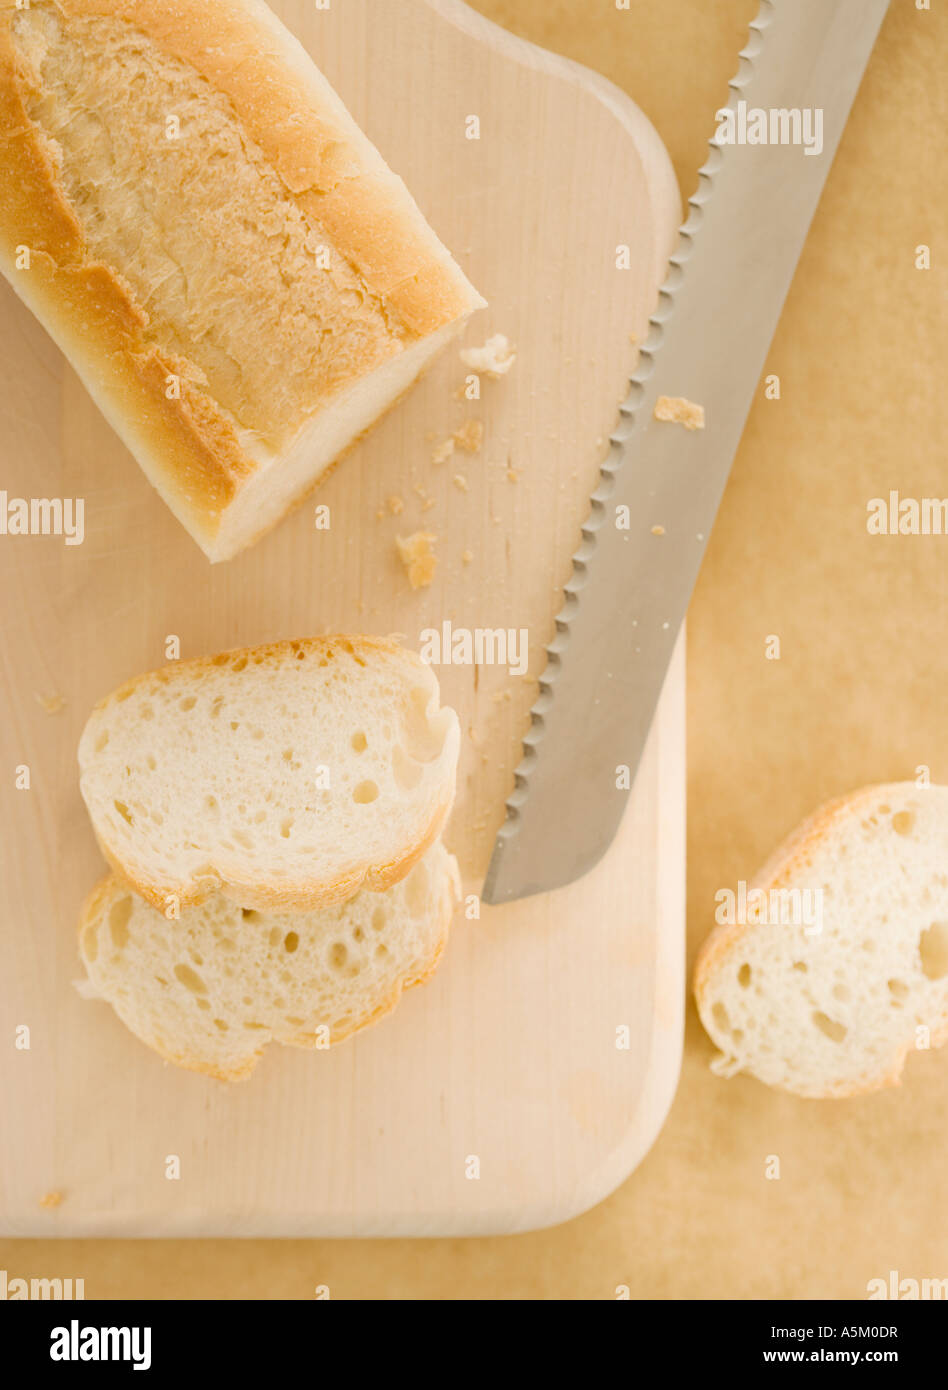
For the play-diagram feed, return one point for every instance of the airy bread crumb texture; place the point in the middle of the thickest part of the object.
(210, 991)
(284, 776)
(835, 1011)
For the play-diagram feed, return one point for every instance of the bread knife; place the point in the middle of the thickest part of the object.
(707, 344)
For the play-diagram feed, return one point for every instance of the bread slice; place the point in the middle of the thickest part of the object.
(285, 777)
(210, 991)
(239, 279)
(835, 1011)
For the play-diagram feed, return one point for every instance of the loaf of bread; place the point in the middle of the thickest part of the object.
(210, 991)
(848, 974)
(230, 266)
(286, 777)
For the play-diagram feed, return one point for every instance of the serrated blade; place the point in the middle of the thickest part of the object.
(709, 337)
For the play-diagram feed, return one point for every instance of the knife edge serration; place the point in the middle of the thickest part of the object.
(628, 411)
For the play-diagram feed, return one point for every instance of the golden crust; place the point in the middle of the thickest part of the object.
(791, 858)
(257, 892)
(320, 154)
(97, 904)
(187, 444)
(97, 322)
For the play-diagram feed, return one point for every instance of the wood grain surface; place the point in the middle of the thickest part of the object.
(511, 1055)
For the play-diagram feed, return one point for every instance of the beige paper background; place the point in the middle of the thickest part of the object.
(858, 696)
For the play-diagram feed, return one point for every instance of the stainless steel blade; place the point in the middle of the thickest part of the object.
(717, 314)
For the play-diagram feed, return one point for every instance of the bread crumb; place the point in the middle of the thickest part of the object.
(658, 530)
(470, 436)
(512, 475)
(494, 359)
(443, 452)
(380, 514)
(52, 704)
(461, 483)
(468, 556)
(396, 506)
(50, 1200)
(428, 504)
(419, 560)
(675, 410)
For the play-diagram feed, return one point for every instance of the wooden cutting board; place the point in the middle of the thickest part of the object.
(530, 1077)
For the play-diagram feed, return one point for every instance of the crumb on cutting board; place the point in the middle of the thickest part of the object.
(52, 704)
(461, 483)
(494, 359)
(417, 556)
(50, 1200)
(658, 530)
(675, 410)
(470, 436)
(396, 505)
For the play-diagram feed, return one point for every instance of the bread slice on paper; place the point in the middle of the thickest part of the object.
(239, 279)
(834, 1006)
(210, 991)
(284, 777)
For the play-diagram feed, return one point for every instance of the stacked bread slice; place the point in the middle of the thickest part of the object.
(273, 820)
